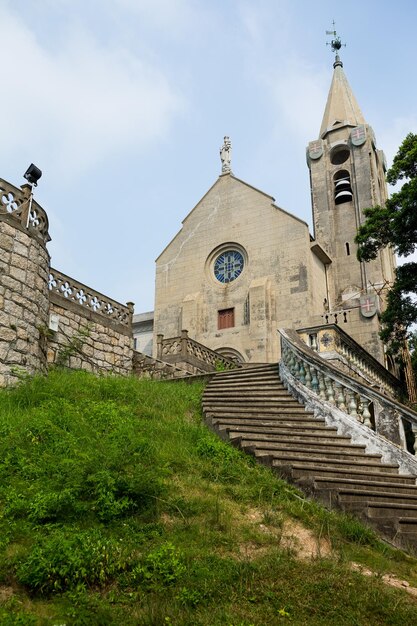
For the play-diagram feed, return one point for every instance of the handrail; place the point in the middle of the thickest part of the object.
(185, 349)
(331, 341)
(156, 369)
(345, 392)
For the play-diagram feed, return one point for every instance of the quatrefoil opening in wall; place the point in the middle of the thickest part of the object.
(95, 303)
(81, 296)
(51, 282)
(34, 219)
(66, 289)
(9, 201)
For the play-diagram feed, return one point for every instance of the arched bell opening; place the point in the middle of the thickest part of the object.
(342, 187)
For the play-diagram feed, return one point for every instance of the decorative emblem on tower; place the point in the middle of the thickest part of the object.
(226, 156)
(315, 149)
(369, 304)
(358, 135)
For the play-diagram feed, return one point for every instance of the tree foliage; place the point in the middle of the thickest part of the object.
(395, 225)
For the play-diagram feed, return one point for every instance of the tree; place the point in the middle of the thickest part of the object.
(395, 225)
(412, 344)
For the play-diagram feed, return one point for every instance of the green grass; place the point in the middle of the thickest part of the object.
(118, 506)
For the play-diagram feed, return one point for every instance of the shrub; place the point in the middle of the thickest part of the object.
(62, 562)
(161, 568)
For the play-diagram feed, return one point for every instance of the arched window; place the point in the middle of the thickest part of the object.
(342, 187)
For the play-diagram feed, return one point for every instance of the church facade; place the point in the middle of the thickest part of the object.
(241, 267)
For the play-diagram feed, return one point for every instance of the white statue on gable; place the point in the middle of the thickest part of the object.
(226, 155)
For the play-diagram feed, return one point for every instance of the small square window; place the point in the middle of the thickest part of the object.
(226, 319)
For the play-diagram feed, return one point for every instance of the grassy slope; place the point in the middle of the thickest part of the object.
(119, 507)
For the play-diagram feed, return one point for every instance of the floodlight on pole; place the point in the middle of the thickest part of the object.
(32, 175)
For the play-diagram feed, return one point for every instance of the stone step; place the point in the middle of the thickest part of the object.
(294, 420)
(267, 381)
(326, 473)
(360, 485)
(391, 510)
(260, 379)
(269, 410)
(296, 427)
(253, 404)
(244, 379)
(316, 445)
(256, 392)
(244, 374)
(280, 451)
(407, 525)
(311, 461)
(362, 498)
(276, 434)
(253, 401)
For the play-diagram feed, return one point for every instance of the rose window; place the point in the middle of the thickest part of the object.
(228, 266)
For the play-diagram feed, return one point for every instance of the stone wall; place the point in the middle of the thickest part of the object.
(84, 344)
(88, 330)
(47, 317)
(24, 300)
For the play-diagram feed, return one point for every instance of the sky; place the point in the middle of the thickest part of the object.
(123, 105)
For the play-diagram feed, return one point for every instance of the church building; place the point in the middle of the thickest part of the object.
(241, 267)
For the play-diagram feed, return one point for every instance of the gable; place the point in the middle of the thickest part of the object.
(231, 207)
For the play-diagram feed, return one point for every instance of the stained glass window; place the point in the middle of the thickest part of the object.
(228, 266)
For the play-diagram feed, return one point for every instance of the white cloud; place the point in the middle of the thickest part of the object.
(84, 102)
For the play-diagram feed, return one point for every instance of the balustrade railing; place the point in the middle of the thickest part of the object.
(362, 402)
(148, 367)
(334, 344)
(70, 291)
(185, 350)
(16, 203)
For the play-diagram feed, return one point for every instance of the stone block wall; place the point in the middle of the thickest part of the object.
(24, 299)
(46, 317)
(81, 343)
(88, 330)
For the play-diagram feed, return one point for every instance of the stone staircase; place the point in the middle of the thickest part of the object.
(252, 409)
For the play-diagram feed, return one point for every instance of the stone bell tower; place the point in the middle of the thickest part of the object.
(347, 174)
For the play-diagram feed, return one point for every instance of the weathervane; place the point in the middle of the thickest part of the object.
(335, 44)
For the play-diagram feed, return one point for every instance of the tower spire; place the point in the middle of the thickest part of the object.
(342, 108)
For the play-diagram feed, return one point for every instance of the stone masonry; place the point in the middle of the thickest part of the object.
(47, 317)
(24, 301)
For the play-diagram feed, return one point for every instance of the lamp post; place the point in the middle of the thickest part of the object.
(32, 175)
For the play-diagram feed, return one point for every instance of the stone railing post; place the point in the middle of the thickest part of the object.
(130, 306)
(159, 340)
(184, 339)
